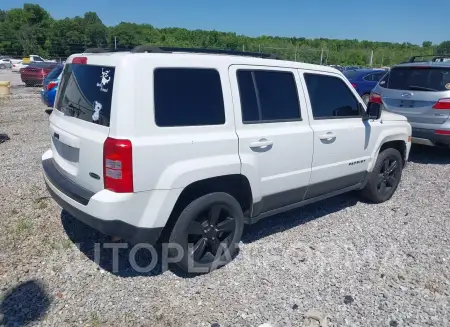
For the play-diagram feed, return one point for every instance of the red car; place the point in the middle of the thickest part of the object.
(35, 73)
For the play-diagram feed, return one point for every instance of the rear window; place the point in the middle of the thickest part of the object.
(417, 78)
(85, 92)
(351, 74)
(54, 73)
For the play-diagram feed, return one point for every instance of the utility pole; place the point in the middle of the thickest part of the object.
(295, 56)
(115, 42)
(321, 57)
(243, 48)
(371, 58)
(260, 48)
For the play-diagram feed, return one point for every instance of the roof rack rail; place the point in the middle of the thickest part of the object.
(103, 50)
(433, 58)
(154, 49)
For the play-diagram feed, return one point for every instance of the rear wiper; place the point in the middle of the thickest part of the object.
(420, 88)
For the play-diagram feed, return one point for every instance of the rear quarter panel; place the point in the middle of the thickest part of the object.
(170, 157)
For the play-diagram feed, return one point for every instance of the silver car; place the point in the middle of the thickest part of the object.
(421, 92)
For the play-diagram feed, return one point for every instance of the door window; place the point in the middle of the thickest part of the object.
(330, 97)
(268, 96)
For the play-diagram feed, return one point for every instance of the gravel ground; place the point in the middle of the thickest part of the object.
(344, 262)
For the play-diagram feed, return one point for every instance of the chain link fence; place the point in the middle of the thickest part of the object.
(303, 53)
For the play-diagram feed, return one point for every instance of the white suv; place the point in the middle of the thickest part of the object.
(197, 144)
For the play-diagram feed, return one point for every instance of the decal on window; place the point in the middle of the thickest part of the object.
(105, 80)
(97, 108)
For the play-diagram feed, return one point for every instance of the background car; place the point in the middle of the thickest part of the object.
(5, 63)
(35, 73)
(50, 86)
(420, 91)
(16, 67)
(364, 80)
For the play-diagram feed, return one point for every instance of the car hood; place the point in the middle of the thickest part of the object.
(390, 116)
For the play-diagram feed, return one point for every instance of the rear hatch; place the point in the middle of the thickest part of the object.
(414, 91)
(80, 122)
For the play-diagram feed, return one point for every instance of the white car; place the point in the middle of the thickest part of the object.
(197, 144)
(16, 67)
(5, 63)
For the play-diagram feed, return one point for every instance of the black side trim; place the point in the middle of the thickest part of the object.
(333, 185)
(118, 228)
(65, 185)
(280, 202)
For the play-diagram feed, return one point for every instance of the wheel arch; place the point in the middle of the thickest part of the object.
(237, 185)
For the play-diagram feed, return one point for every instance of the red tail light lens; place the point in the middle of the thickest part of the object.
(51, 85)
(376, 98)
(118, 165)
(443, 104)
(354, 85)
(441, 132)
(79, 60)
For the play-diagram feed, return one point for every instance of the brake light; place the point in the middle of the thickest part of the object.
(79, 60)
(51, 85)
(443, 104)
(376, 98)
(441, 132)
(354, 85)
(118, 165)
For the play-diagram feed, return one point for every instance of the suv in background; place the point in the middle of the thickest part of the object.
(191, 144)
(421, 92)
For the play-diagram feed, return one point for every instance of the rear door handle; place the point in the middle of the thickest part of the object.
(263, 143)
(327, 136)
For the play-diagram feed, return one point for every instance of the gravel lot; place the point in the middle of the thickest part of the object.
(354, 263)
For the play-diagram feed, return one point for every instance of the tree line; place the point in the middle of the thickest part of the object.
(32, 30)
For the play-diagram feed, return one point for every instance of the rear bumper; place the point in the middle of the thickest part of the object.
(107, 214)
(428, 137)
(47, 98)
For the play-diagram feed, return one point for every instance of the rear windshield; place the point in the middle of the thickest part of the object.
(351, 74)
(417, 78)
(86, 92)
(54, 73)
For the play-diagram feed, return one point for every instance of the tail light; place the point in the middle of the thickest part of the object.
(118, 165)
(79, 60)
(442, 132)
(51, 85)
(354, 85)
(443, 104)
(375, 97)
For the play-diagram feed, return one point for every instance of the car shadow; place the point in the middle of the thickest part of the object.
(429, 155)
(125, 262)
(290, 219)
(24, 304)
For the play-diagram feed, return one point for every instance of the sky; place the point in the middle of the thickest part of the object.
(381, 20)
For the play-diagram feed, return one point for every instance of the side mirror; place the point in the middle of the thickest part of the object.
(373, 110)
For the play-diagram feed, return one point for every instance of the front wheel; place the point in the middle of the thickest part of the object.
(207, 233)
(2, 66)
(385, 176)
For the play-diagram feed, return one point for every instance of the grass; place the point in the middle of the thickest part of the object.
(23, 225)
(95, 320)
(41, 203)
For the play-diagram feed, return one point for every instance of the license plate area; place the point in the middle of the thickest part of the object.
(407, 104)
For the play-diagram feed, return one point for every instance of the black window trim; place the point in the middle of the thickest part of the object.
(258, 101)
(333, 117)
(189, 68)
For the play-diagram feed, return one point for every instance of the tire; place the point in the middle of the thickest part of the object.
(2, 66)
(366, 98)
(384, 178)
(196, 228)
(29, 84)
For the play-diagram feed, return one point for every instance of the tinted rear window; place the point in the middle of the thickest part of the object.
(85, 92)
(55, 73)
(417, 78)
(351, 74)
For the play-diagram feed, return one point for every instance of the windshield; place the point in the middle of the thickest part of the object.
(85, 92)
(417, 78)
